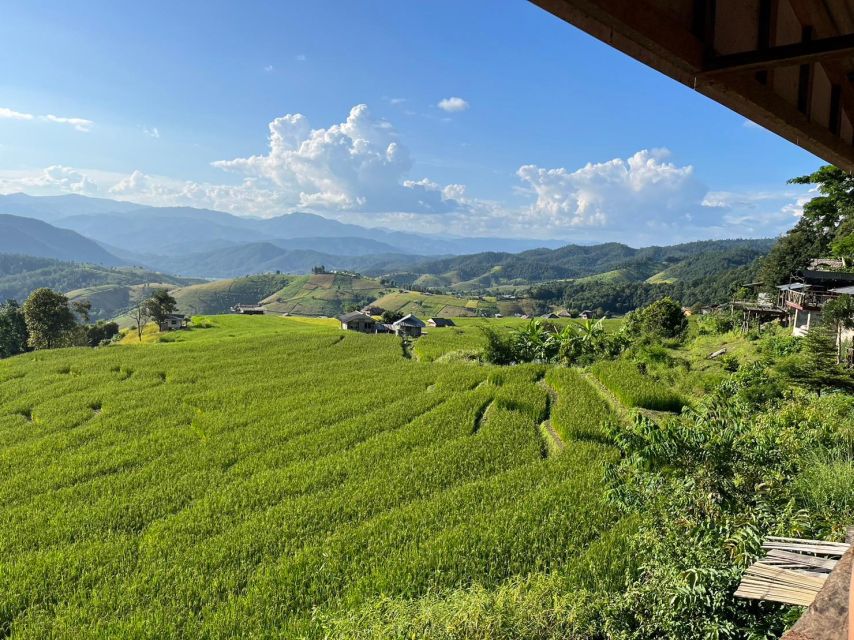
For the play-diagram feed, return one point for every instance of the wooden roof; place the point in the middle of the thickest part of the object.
(784, 64)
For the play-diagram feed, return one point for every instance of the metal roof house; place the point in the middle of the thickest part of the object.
(174, 321)
(409, 326)
(357, 321)
(440, 322)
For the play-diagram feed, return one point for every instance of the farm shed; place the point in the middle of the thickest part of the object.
(440, 322)
(173, 321)
(357, 321)
(586, 315)
(248, 309)
(408, 325)
(373, 310)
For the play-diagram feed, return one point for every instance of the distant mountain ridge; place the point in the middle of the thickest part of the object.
(37, 238)
(170, 231)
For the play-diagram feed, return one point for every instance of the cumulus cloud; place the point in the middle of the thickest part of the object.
(643, 188)
(356, 165)
(452, 104)
(60, 178)
(80, 124)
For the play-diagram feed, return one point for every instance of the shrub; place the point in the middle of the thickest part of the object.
(662, 319)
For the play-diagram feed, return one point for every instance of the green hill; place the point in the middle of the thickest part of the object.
(324, 294)
(20, 275)
(219, 296)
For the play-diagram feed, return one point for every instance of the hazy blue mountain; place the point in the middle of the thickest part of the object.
(32, 237)
(52, 208)
(177, 230)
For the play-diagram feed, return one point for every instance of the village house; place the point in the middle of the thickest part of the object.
(248, 309)
(357, 321)
(173, 321)
(549, 316)
(805, 297)
(409, 326)
(440, 322)
(586, 315)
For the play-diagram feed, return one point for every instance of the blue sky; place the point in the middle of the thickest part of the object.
(545, 132)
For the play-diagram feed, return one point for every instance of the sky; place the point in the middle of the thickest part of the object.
(475, 118)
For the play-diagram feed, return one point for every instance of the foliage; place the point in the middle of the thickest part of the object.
(826, 220)
(14, 337)
(48, 318)
(716, 323)
(661, 319)
(159, 305)
(101, 333)
(711, 484)
(391, 316)
(634, 389)
(815, 366)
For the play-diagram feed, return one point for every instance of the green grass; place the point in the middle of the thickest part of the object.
(635, 389)
(276, 477)
(580, 413)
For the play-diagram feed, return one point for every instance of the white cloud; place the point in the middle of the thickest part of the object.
(60, 178)
(396, 101)
(357, 165)
(153, 132)
(301, 57)
(452, 104)
(79, 124)
(8, 114)
(269, 68)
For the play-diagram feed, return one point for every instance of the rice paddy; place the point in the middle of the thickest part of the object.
(272, 477)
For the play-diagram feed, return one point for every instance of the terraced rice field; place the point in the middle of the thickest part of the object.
(270, 477)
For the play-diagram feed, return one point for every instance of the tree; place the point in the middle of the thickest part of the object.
(391, 316)
(826, 219)
(13, 329)
(839, 313)
(663, 318)
(160, 305)
(139, 314)
(815, 367)
(48, 318)
(100, 333)
(81, 308)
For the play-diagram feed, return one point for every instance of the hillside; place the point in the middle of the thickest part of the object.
(20, 275)
(325, 294)
(221, 295)
(605, 262)
(28, 236)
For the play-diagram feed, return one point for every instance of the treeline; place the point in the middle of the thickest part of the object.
(48, 320)
(622, 297)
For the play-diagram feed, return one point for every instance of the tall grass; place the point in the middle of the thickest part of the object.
(580, 413)
(635, 389)
(253, 475)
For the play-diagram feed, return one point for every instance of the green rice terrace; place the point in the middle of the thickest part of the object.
(278, 477)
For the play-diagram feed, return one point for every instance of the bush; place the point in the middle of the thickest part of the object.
(662, 319)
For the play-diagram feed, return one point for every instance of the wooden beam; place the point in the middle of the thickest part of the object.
(785, 55)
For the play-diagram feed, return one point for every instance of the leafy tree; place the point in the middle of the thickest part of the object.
(13, 329)
(160, 305)
(48, 318)
(81, 309)
(816, 367)
(826, 222)
(101, 332)
(391, 316)
(663, 318)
